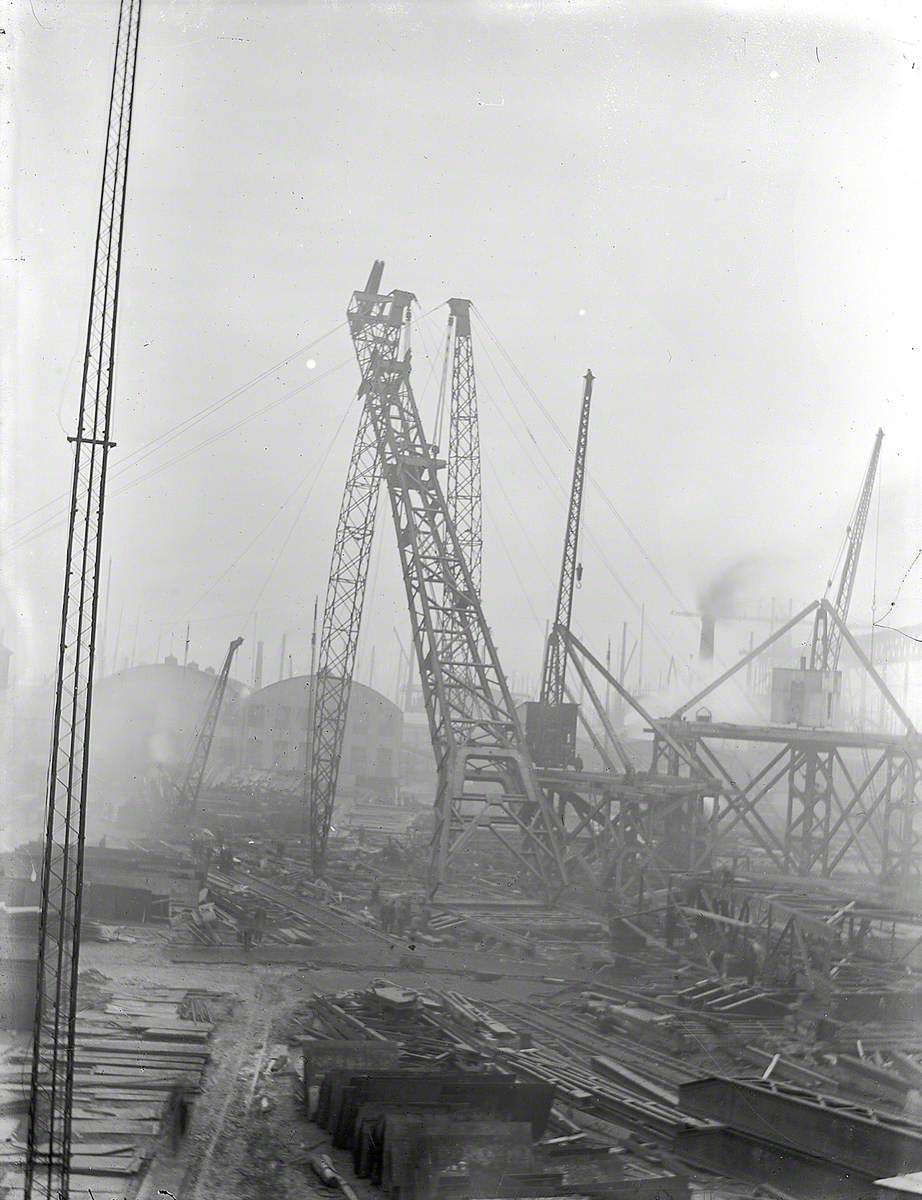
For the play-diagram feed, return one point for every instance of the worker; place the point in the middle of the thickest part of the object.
(670, 923)
(178, 1115)
(750, 962)
(406, 913)
(259, 924)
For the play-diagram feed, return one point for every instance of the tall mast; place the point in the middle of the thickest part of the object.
(47, 1166)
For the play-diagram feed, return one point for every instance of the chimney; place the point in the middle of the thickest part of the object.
(258, 667)
(706, 646)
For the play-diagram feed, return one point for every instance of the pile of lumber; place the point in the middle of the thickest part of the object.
(132, 1054)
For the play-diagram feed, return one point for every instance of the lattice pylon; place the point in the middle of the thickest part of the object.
(47, 1165)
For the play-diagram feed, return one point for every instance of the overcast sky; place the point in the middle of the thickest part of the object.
(715, 207)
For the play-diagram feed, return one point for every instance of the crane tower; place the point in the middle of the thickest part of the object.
(342, 613)
(486, 778)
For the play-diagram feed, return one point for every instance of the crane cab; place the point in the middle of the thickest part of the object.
(550, 731)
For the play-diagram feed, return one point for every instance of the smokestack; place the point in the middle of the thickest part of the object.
(706, 646)
(258, 668)
(282, 657)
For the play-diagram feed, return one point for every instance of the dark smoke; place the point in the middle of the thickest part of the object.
(720, 597)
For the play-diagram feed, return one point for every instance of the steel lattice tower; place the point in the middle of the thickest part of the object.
(554, 677)
(342, 614)
(486, 779)
(464, 498)
(47, 1167)
(464, 487)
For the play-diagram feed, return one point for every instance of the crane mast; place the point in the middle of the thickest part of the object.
(463, 493)
(486, 778)
(552, 721)
(201, 747)
(342, 613)
(48, 1152)
(827, 636)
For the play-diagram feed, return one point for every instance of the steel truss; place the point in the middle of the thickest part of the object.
(837, 808)
(345, 599)
(486, 780)
(47, 1166)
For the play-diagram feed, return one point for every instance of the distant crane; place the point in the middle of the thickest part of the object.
(48, 1152)
(827, 636)
(812, 780)
(486, 778)
(552, 722)
(191, 785)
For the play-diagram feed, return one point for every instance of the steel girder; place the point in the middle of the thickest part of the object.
(486, 779)
(850, 1135)
(345, 598)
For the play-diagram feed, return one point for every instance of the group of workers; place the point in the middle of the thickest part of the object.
(395, 913)
(252, 927)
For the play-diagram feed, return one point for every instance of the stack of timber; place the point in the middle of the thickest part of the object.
(135, 1054)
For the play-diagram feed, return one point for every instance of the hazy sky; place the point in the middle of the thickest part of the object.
(715, 207)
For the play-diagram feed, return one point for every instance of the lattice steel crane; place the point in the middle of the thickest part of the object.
(486, 778)
(464, 490)
(827, 636)
(48, 1153)
(342, 613)
(552, 721)
(191, 785)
